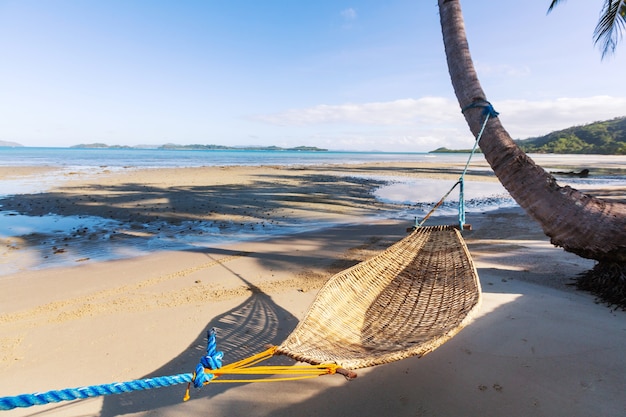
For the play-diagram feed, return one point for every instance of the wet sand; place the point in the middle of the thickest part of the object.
(138, 210)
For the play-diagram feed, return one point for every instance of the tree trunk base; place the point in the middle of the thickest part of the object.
(607, 280)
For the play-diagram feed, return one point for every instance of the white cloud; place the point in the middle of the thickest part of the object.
(430, 122)
(348, 14)
(524, 118)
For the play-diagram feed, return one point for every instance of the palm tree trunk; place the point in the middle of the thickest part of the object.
(587, 226)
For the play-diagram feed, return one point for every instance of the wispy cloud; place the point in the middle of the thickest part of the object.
(503, 70)
(397, 112)
(348, 14)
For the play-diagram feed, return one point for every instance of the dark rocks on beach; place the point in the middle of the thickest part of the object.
(584, 173)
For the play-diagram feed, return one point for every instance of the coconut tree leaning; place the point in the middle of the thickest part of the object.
(579, 223)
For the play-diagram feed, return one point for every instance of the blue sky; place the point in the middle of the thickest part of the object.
(344, 75)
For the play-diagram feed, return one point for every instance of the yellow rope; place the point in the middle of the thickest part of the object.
(246, 367)
(280, 370)
(244, 381)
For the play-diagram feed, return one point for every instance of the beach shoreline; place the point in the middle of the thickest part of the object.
(538, 346)
(96, 214)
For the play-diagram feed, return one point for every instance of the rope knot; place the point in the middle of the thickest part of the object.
(212, 361)
(488, 109)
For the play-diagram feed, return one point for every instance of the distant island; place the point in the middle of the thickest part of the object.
(446, 150)
(602, 138)
(196, 147)
(7, 144)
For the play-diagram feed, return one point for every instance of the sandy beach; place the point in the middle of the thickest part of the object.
(538, 346)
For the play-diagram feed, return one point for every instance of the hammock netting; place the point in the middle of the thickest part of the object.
(406, 301)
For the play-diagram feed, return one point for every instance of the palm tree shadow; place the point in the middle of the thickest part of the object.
(241, 332)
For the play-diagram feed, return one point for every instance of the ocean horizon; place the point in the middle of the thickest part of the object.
(163, 158)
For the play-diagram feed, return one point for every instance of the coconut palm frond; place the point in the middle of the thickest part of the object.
(553, 4)
(611, 25)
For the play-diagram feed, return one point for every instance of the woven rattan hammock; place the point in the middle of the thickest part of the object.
(406, 301)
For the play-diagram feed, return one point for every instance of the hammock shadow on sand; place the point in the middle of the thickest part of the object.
(242, 332)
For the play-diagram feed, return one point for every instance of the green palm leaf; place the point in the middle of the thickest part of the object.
(611, 25)
(553, 3)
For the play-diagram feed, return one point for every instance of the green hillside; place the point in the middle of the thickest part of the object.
(608, 137)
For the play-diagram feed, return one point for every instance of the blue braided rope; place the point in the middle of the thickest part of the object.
(70, 394)
(487, 108)
(461, 203)
(212, 360)
(488, 111)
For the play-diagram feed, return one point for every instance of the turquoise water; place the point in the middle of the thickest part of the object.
(155, 158)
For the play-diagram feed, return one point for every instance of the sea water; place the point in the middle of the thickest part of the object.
(76, 158)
